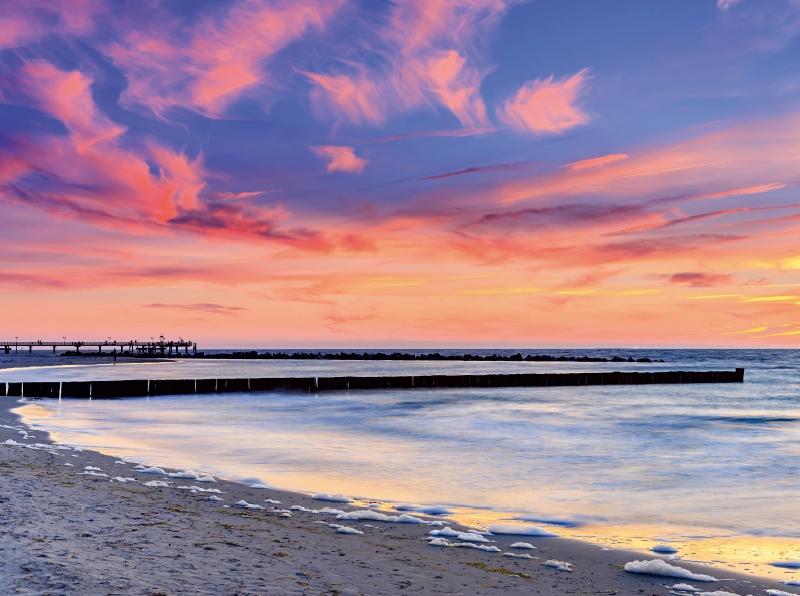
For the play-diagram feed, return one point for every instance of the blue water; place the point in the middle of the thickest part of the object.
(687, 461)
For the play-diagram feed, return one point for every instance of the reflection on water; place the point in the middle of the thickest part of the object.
(714, 467)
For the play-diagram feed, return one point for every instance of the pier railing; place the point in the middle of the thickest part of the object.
(143, 388)
(153, 348)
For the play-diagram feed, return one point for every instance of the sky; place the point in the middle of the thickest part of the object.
(419, 173)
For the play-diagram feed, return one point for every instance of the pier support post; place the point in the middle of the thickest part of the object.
(30, 349)
(54, 349)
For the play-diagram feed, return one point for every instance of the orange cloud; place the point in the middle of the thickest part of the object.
(341, 159)
(546, 106)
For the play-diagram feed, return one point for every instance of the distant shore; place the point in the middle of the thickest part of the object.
(70, 530)
(377, 356)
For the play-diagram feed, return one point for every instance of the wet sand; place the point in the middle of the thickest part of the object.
(65, 532)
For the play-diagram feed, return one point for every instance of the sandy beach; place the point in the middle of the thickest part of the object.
(66, 529)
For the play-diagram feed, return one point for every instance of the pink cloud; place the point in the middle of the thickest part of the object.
(595, 162)
(355, 98)
(22, 23)
(341, 159)
(430, 47)
(217, 61)
(546, 106)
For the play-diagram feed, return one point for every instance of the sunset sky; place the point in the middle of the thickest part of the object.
(419, 173)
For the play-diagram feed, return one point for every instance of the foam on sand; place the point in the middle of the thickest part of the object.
(520, 530)
(447, 543)
(786, 564)
(93, 473)
(522, 556)
(659, 567)
(157, 483)
(776, 593)
(92, 469)
(790, 582)
(439, 542)
(122, 479)
(205, 479)
(272, 501)
(685, 588)
(334, 498)
(326, 510)
(664, 548)
(483, 547)
(558, 565)
(368, 514)
(150, 471)
(522, 545)
(215, 498)
(247, 505)
(188, 475)
(472, 537)
(348, 530)
(444, 532)
(258, 486)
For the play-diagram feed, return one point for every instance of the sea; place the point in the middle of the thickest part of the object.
(710, 469)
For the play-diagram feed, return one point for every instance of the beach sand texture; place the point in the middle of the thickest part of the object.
(63, 531)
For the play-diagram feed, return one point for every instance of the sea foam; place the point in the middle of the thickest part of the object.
(786, 564)
(558, 565)
(664, 548)
(659, 567)
(188, 475)
(333, 498)
(368, 514)
(520, 530)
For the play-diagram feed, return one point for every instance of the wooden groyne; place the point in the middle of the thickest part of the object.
(143, 388)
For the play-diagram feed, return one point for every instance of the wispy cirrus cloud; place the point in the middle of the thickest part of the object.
(520, 166)
(546, 106)
(22, 23)
(595, 162)
(209, 307)
(206, 67)
(429, 47)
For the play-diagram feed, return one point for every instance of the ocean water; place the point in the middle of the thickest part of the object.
(714, 468)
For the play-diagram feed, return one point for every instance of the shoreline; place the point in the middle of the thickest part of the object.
(65, 532)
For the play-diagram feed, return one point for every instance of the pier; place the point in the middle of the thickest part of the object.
(161, 347)
(145, 388)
